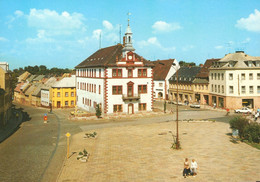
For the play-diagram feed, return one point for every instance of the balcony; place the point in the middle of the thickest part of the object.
(126, 97)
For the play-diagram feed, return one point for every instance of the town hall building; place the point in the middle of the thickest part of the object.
(117, 79)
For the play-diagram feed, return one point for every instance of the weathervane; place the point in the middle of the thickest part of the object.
(128, 14)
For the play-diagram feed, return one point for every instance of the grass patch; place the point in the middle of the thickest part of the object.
(255, 145)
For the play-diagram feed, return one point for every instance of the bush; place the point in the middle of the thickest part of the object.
(240, 124)
(98, 111)
(252, 133)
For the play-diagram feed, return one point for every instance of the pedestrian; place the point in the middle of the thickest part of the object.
(227, 112)
(256, 116)
(214, 105)
(193, 167)
(186, 170)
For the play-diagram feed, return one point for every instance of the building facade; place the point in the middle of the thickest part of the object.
(117, 79)
(5, 94)
(63, 93)
(235, 81)
(186, 76)
(163, 70)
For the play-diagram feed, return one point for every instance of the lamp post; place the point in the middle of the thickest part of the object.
(177, 108)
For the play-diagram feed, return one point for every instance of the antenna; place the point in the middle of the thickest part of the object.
(120, 33)
(128, 14)
(100, 40)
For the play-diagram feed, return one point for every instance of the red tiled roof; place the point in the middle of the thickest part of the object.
(18, 86)
(107, 57)
(161, 69)
(204, 72)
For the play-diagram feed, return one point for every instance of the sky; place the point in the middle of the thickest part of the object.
(62, 33)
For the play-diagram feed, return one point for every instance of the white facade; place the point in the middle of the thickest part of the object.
(45, 97)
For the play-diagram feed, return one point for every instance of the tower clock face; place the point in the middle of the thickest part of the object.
(130, 57)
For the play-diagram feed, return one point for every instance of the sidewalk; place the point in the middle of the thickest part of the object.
(11, 126)
(142, 153)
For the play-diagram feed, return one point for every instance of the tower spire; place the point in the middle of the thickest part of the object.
(128, 14)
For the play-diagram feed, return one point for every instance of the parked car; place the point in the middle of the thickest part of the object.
(243, 110)
(195, 105)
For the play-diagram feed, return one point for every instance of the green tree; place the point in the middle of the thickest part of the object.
(98, 111)
(239, 123)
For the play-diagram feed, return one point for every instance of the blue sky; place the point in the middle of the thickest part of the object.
(62, 33)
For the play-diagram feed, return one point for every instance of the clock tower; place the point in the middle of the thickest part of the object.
(128, 46)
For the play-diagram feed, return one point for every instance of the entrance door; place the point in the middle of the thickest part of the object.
(58, 104)
(130, 109)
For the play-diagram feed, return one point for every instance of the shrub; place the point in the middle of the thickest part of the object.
(252, 132)
(98, 111)
(239, 123)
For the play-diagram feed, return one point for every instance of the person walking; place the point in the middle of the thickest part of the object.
(186, 170)
(193, 167)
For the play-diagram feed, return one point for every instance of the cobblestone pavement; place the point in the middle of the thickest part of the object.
(143, 153)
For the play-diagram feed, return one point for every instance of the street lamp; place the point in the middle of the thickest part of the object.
(177, 108)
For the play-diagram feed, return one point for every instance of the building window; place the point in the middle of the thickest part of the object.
(142, 107)
(160, 84)
(95, 73)
(243, 76)
(95, 88)
(72, 103)
(250, 76)
(211, 76)
(117, 73)
(212, 88)
(99, 73)
(222, 76)
(142, 72)
(230, 76)
(66, 94)
(58, 94)
(231, 89)
(258, 76)
(215, 75)
(99, 89)
(130, 73)
(117, 108)
(117, 90)
(243, 89)
(142, 89)
(251, 89)
(218, 88)
(222, 88)
(218, 76)
(258, 89)
(53, 94)
(72, 94)
(66, 103)
(83, 100)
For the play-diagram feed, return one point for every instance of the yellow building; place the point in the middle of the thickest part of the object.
(5, 94)
(63, 93)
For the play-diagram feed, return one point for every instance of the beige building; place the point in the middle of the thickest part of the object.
(5, 94)
(235, 81)
(186, 76)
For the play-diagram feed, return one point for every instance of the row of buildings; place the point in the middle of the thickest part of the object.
(121, 81)
(44, 91)
(5, 94)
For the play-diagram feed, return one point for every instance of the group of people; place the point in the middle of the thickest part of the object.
(190, 169)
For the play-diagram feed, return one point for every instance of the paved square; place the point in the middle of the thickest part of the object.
(143, 153)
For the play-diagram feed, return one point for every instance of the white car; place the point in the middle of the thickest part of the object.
(243, 110)
(195, 105)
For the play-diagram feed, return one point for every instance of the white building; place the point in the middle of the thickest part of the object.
(235, 81)
(45, 92)
(163, 70)
(116, 78)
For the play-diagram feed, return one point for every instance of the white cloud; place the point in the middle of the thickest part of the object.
(55, 23)
(153, 42)
(252, 23)
(219, 47)
(246, 41)
(2, 39)
(187, 47)
(18, 13)
(107, 25)
(162, 26)
(96, 33)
